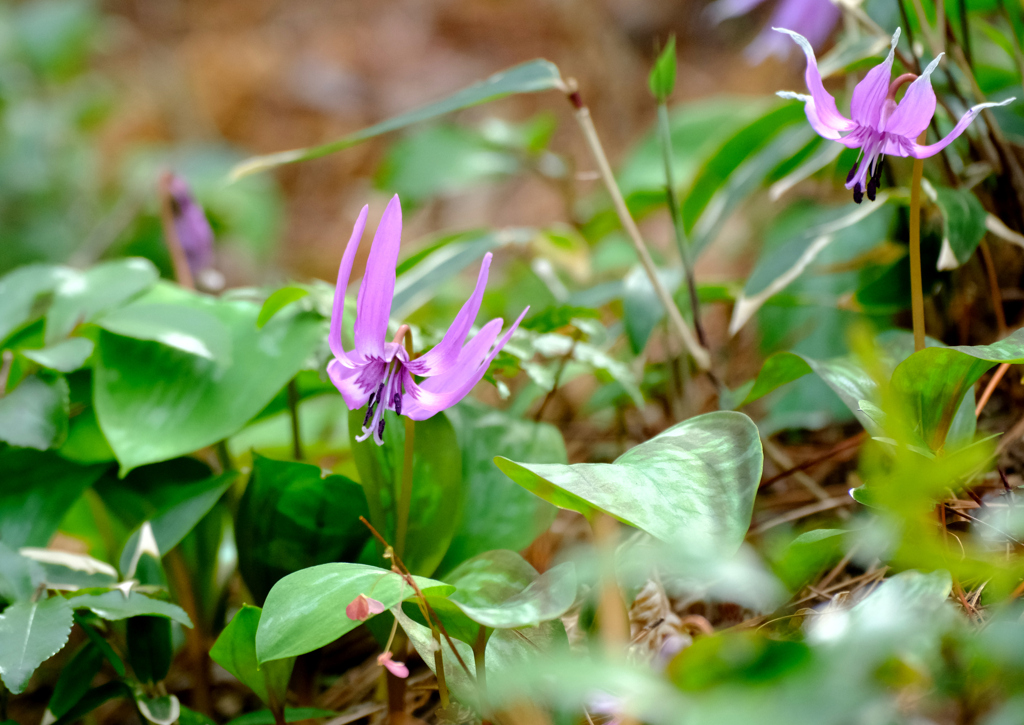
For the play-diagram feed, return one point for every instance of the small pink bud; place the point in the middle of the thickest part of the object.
(362, 608)
(398, 669)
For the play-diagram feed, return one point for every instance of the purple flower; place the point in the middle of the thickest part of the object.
(814, 19)
(378, 373)
(190, 225)
(879, 126)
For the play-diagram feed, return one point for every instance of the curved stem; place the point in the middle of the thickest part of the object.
(916, 285)
(405, 489)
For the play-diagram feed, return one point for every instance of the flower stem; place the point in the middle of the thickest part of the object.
(442, 685)
(916, 286)
(665, 139)
(405, 490)
(612, 617)
(697, 351)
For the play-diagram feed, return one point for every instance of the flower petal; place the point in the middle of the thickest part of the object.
(917, 107)
(398, 669)
(445, 353)
(814, 19)
(344, 273)
(373, 305)
(446, 390)
(356, 383)
(870, 93)
(362, 608)
(922, 152)
(824, 103)
(812, 114)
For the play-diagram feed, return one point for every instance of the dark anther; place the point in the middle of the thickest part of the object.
(369, 413)
(373, 396)
(872, 185)
(858, 193)
(398, 403)
(877, 176)
(380, 429)
(849, 176)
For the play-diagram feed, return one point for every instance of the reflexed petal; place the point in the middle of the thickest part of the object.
(447, 390)
(344, 273)
(917, 107)
(870, 93)
(445, 353)
(356, 383)
(398, 669)
(922, 152)
(812, 114)
(373, 305)
(824, 103)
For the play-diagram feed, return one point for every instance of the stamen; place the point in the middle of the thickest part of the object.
(380, 429)
(398, 403)
(872, 185)
(853, 171)
(858, 194)
(369, 414)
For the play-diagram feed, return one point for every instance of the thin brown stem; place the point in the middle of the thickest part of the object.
(993, 285)
(612, 617)
(442, 684)
(990, 388)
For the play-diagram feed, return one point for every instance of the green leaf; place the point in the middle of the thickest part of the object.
(699, 477)
(19, 575)
(189, 329)
(509, 650)
(292, 517)
(35, 414)
(104, 646)
(738, 658)
(114, 605)
(932, 383)
(807, 555)
(496, 513)
(530, 77)
(642, 309)
(30, 633)
(75, 679)
(161, 710)
(65, 356)
(26, 293)
(437, 491)
(38, 490)
(150, 648)
(93, 699)
(235, 651)
(197, 402)
(963, 224)
(291, 714)
(662, 80)
(306, 610)
(461, 684)
(278, 300)
(500, 589)
(191, 502)
(84, 295)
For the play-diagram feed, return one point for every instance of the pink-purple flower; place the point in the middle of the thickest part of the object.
(879, 125)
(190, 224)
(814, 19)
(379, 373)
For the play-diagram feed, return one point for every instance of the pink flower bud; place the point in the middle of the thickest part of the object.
(362, 608)
(398, 669)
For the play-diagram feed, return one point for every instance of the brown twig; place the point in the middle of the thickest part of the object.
(993, 285)
(990, 388)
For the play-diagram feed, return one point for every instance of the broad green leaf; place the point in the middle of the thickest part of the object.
(437, 488)
(497, 514)
(186, 328)
(114, 605)
(38, 489)
(514, 649)
(19, 575)
(779, 268)
(65, 356)
(154, 402)
(744, 659)
(278, 300)
(93, 699)
(75, 679)
(83, 295)
(235, 651)
(26, 293)
(461, 684)
(291, 517)
(64, 570)
(306, 610)
(500, 589)
(642, 309)
(530, 77)
(30, 633)
(662, 80)
(700, 475)
(35, 414)
(963, 224)
(291, 714)
(173, 522)
(104, 646)
(932, 383)
(807, 555)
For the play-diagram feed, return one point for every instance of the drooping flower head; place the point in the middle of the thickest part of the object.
(879, 125)
(814, 19)
(379, 373)
(190, 224)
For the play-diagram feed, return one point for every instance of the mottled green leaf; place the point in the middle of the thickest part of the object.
(235, 651)
(277, 301)
(65, 356)
(190, 329)
(30, 633)
(114, 605)
(35, 414)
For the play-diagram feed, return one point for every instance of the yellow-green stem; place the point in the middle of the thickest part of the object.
(442, 684)
(916, 286)
(405, 490)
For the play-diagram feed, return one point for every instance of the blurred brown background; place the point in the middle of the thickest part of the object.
(267, 75)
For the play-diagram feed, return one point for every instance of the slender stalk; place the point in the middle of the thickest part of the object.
(442, 684)
(697, 351)
(5, 371)
(665, 139)
(293, 409)
(916, 285)
(182, 273)
(612, 617)
(479, 647)
(194, 637)
(993, 285)
(405, 489)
